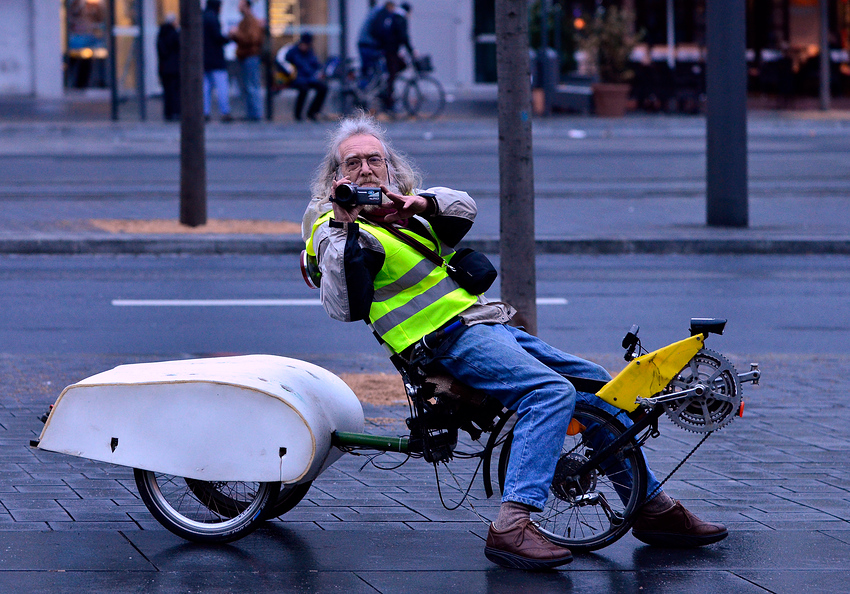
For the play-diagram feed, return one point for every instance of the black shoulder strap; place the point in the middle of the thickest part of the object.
(432, 256)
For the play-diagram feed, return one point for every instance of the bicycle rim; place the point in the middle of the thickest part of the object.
(424, 97)
(203, 511)
(593, 510)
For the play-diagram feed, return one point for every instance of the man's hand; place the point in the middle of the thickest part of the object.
(341, 214)
(406, 206)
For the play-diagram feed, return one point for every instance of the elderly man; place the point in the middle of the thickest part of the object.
(369, 274)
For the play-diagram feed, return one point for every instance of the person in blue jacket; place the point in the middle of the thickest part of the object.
(370, 52)
(215, 66)
(308, 75)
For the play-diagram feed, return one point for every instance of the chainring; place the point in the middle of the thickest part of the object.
(717, 407)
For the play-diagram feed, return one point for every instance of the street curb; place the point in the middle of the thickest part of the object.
(257, 245)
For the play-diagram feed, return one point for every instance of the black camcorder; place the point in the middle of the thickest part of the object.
(348, 195)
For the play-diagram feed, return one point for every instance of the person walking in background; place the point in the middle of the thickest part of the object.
(248, 36)
(168, 54)
(215, 66)
(404, 11)
(308, 75)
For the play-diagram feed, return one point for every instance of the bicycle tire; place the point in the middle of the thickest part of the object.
(373, 96)
(599, 507)
(173, 501)
(288, 497)
(424, 97)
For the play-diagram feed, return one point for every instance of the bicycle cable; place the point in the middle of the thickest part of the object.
(465, 495)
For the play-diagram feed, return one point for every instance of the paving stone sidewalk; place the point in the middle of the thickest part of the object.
(778, 478)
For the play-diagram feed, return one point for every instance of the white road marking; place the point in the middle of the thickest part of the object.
(214, 302)
(551, 301)
(257, 302)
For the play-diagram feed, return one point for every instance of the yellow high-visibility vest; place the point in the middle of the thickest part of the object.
(413, 296)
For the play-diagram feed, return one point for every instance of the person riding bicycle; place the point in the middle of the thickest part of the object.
(368, 48)
(388, 28)
(367, 273)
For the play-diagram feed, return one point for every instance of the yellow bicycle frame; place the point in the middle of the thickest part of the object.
(647, 375)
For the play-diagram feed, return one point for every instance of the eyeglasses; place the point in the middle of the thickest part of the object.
(353, 164)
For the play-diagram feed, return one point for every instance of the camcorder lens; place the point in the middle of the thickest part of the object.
(348, 194)
(345, 194)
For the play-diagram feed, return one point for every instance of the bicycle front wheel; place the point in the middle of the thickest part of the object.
(424, 97)
(592, 510)
(201, 511)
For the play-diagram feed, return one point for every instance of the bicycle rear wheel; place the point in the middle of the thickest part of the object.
(289, 497)
(202, 511)
(424, 97)
(218, 496)
(593, 510)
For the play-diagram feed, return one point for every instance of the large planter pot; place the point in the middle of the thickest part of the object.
(610, 99)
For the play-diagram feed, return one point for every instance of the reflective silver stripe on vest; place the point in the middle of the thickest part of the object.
(409, 279)
(404, 312)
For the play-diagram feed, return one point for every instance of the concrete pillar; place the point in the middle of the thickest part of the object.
(726, 114)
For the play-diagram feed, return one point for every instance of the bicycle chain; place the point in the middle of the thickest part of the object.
(672, 472)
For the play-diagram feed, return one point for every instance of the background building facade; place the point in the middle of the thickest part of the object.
(52, 47)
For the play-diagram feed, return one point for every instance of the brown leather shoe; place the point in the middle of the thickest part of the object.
(677, 528)
(523, 547)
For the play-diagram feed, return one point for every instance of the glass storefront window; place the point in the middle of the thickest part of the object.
(86, 53)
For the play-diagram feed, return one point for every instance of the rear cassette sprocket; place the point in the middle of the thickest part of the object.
(717, 406)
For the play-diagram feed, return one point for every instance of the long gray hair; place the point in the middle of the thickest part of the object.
(402, 173)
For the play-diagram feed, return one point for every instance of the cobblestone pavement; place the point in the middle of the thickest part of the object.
(777, 478)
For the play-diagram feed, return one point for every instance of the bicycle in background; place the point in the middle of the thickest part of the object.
(421, 95)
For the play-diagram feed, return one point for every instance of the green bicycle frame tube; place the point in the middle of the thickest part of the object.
(374, 442)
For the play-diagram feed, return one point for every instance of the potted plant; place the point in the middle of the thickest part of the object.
(608, 39)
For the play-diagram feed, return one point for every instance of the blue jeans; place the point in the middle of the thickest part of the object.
(524, 374)
(249, 69)
(217, 78)
(369, 58)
